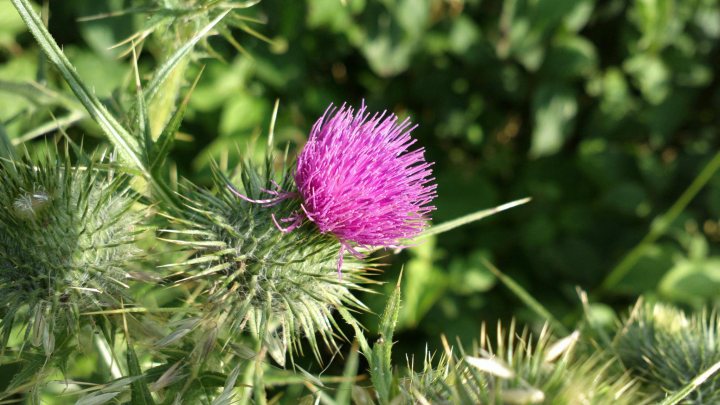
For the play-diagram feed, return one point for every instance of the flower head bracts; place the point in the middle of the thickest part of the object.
(359, 180)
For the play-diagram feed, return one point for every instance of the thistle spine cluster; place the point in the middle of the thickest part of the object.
(66, 240)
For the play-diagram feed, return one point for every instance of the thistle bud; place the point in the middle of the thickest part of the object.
(279, 286)
(667, 349)
(66, 235)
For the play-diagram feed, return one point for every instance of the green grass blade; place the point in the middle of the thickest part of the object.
(660, 226)
(475, 216)
(140, 395)
(681, 394)
(344, 392)
(164, 71)
(57, 124)
(7, 150)
(142, 123)
(526, 298)
(126, 144)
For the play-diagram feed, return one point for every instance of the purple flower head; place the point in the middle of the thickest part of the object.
(360, 181)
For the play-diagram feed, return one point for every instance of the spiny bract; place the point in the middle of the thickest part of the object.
(66, 238)
(280, 286)
(518, 370)
(668, 349)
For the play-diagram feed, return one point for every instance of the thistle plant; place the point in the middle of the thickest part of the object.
(280, 285)
(272, 257)
(518, 369)
(181, 29)
(668, 349)
(66, 244)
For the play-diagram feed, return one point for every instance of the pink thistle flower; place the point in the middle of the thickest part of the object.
(360, 181)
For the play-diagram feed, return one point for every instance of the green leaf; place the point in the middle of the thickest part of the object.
(651, 75)
(227, 396)
(126, 144)
(424, 283)
(570, 57)
(162, 146)
(554, 108)
(7, 150)
(660, 225)
(692, 281)
(164, 71)
(10, 25)
(464, 220)
(101, 34)
(344, 391)
(98, 399)
(32, 366)
(140, 395)
(381, 359)
(650, 268)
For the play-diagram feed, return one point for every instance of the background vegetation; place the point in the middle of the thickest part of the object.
(604, 112)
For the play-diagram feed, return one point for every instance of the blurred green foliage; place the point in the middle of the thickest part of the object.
(602, 111)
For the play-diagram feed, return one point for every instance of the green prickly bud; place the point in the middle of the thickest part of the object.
(667, 349)
(518, 369)
(278, 286)
(66, 235)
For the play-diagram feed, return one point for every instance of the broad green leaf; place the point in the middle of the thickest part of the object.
(692, 281)
(570, 57)
(651, 75)
(423, 284)
(554, 108)
(10, 24)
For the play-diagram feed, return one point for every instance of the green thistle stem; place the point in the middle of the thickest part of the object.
(659, 227)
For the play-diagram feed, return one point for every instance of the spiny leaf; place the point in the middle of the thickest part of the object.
(140, 395)
(164, 71)
(127, 145)
(164, 142)
(381, 360)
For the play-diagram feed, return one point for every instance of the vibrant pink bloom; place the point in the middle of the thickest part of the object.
(359, 180)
